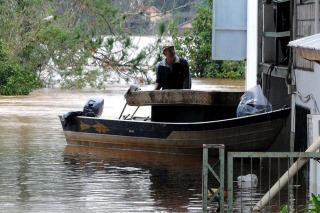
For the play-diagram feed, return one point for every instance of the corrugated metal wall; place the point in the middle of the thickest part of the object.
(304, 27)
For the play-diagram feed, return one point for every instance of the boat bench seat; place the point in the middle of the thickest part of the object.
(183, 97)
(186, 105)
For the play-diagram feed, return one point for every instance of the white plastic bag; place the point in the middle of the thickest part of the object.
(253, 102)
(247, 181)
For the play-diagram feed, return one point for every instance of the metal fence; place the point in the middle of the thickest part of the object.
(207, 168)
(262, 170)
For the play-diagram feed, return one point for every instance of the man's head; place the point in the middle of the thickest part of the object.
(169, 52)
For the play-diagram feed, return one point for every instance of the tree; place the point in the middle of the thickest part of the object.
(76, 43)
(57, 40)
(15, 78)
(195, 44)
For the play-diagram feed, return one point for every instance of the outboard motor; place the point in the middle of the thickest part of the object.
(93, 107)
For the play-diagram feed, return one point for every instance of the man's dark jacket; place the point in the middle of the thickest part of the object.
(175, 76)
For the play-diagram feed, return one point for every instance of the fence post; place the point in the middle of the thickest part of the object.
(230, 182)
(206, 168)
(221, 175)
(205, 179)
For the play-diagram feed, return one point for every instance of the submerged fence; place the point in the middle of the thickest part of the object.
(251, 175)
(218, 194)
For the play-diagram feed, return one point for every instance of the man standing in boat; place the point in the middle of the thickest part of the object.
(173, 71)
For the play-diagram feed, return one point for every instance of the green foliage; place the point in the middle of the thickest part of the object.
(195, 45)
(162, 28)
(314, 204)
(76, 43)
(232, 69)
(15, 79)
(284, 209)
(56, 42)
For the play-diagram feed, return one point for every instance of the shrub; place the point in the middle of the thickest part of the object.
(15, 79)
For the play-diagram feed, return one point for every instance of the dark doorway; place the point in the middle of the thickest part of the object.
(301, 136)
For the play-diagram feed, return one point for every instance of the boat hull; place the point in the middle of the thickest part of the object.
(250, 133)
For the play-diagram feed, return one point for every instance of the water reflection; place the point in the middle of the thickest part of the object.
(173, 182)
(23, 165)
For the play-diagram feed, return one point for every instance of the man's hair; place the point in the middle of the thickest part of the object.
(167, 47)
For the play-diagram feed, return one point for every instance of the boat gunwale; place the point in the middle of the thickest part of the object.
(187, 123)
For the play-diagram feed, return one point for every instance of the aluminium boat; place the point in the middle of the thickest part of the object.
(181, 122)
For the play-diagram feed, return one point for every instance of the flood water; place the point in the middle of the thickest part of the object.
(40, 173)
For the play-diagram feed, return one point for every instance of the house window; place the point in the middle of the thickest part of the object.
(276, 32)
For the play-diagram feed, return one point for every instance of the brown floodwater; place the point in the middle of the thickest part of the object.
(40, 173)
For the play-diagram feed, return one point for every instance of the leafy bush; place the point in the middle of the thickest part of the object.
(65, 39)
(284, 209)
(15, 79)
(314, 204)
